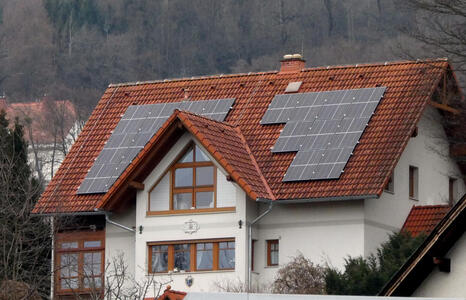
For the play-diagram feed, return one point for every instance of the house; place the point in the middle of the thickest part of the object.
(50, 128)
(438, 267)
(181, 178)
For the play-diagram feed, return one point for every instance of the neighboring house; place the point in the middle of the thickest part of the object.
(279, 162)
(438, 267)
(50, 128)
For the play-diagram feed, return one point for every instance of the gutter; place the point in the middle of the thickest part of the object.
(250, 239)
(107, 218)
(314, 200)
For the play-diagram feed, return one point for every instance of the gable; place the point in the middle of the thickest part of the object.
(408, 89)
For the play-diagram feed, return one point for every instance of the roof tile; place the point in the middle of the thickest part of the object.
(409, 86)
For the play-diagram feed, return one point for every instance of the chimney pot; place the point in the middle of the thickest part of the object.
(292, 63)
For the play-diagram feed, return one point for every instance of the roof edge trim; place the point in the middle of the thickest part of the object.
(323, 199)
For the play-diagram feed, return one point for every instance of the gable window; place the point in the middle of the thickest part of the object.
(203, 255)
(193, 181)
(390, 186)
(413, 182)
(79, 262)
(272, 253)
(188, 185)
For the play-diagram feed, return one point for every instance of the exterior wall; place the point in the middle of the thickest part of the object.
(429, 152)
(441, 284)
(323, 232)
(212, 225)
(120, 243)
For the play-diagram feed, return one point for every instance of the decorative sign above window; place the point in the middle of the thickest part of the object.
(323, 127)
(190, 226)
(136, 127)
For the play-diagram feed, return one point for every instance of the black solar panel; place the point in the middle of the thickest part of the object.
(135, 128)
(323, 127)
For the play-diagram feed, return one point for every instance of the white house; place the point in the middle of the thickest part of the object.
(184, 178)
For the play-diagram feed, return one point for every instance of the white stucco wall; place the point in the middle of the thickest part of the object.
(453, 284)
(326, 233)
(429, 152)
(212, 225)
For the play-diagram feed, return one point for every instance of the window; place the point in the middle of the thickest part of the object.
(79, 261)
(204, 255)
(451, 190)
(189, 185)
(272, 253)
(390, 187)
(413, 182)
(193, 181)
(253, 246)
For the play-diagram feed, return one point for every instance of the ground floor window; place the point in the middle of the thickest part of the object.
(79, 262)
(272, 253)
(201, 255)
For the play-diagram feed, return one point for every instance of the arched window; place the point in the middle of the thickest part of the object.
(193, 181)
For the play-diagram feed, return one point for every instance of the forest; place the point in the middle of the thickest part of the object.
(72, 49)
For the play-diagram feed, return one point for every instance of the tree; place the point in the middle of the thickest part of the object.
(366, 276)
(300, 276)
(24, 238)
(440, 28)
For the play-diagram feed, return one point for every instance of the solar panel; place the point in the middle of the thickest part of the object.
(135, 128)
(323, 127)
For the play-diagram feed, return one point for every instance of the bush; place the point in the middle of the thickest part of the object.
(366, 276)
(300, 276)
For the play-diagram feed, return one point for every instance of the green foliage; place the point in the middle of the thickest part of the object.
(24, 238)
(366, 276)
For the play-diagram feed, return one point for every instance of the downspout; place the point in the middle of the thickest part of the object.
(250, 241)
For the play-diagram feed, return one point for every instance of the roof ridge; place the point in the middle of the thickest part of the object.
(316, 68)
(206, 118)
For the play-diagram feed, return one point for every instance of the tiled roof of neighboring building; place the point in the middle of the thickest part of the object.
(430, 254)
(409, 88)
(424, 218)
(169, 294)
(42, 118)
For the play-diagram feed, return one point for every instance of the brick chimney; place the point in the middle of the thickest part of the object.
(292, 63)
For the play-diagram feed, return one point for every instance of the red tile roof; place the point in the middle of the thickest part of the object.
(409, 88)
(169, 294)
(424, 218)
(222, 140)
(41, 114)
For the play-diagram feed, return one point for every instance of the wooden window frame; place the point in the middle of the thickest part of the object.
(193, 255)
(413, 189)
(390, 186)
(80, 237)
(269, 252)
(193, 189)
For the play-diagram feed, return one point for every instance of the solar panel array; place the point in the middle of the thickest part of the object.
(323, 127)
(135, 128)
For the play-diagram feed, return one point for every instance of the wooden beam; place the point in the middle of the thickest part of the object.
(458, 150)
(136, 185)
(444, 107)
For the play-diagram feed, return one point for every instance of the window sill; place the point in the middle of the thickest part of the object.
(271, 267)
(389, 192)
(414, 199)
(193, 272)
(191, 211)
